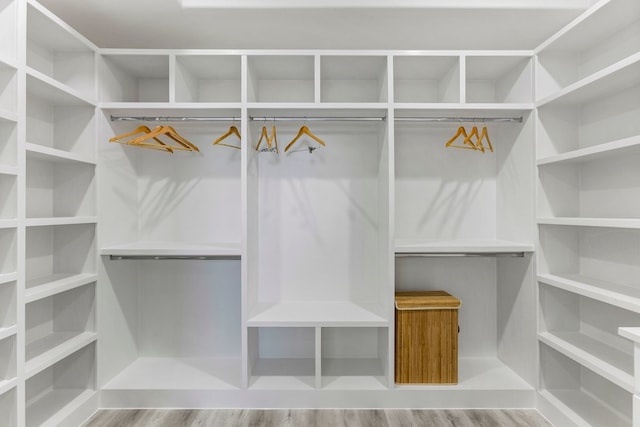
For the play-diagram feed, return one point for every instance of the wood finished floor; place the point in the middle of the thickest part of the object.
(309, 417)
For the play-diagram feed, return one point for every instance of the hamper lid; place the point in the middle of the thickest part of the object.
(426, 300)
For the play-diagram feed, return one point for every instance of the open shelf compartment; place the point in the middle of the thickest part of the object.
(7, 305)
(134, 78)
(201, 78)
(281, 78)
(8, 360)
(8, 197)
(8, 251)
(426, 79)
(9, 407)
(357, 79)
(8, 88)
(499, 79)
(8, 144)
(8, 30)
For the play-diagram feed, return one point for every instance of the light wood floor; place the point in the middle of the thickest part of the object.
(309, 418)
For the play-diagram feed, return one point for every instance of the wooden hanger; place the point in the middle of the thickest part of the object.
(472, 134)
(484, 135)
(304, 130)
(233, 130)
(466, 141)
(183, 144)
(271, 140)
(146, 131)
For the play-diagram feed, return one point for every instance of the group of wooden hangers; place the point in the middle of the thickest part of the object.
(272, 141)
(471, 140)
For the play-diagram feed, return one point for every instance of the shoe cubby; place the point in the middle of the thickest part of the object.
(7, 305)
(8, 197)
(353, 79)
(55, 251)
(282, 358)
(354, 358)
(586, 330)
(8, 145)
(202, 78)
(59, 121)
(56, 392)
(426, 79)
(9, 407)
(592, 45)
(59, 53)
(8, 89)
(498, 79)
(8, 372)
(582, 396)
(57, 188)
(8, 251)
(134, 78)
(281, 78)
(8, 30)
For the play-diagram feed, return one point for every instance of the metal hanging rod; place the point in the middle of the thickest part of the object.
(173, 119)
(461, 119)
(460, 254)
(318, 119)
(174, 257)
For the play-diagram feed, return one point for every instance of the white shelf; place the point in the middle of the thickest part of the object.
(8, 332)
(593, 222)
(7, 385)
(306, 313)
(283, 374)
(363, 374)
(165, 373)
(478, 373)
(43, 86)
(8, 277)
(51, 407)
(631, 333)
(511, 108)
(620, 147)
(461, 246)
(583, 409)
(8, 223)
(43, 222)
(621, 296)
(54, 347)
(612, 364)
(171, 249)
(8, 116)
(8, 170)
(169, 108)
(41, 152)
(57, 283)
(610, 80)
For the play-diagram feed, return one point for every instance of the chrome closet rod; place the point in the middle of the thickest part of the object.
(459, 254)
(173, 257)
(318, 119)
(461, 119)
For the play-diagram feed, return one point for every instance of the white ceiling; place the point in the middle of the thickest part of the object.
(441, 24)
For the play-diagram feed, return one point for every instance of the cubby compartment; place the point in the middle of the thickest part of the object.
(582, 396)
(8, 30)
(355, 358)
(426, 79)
(8, 89)
(202, 78)
(599, 188)
(353, 79)
(134, 78)
(7, 306)
(56, 251)
(8, 364)
(282, 358)
(59, 53)
(56, 392)
(58, 121)
(499, 79)
(590, 46)
(319, 255)
(9, 407)
(8, 197)
(281, 78)
(586, 330)
(176, 325)
(8, 251)
(8, 146)
(57, 188)
(571, 125)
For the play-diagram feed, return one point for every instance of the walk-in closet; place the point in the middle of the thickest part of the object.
(220, 217)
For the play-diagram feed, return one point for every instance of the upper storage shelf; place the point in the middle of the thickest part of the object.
(207, 78)
(499, 79)
(134, 77)
(426, 79)
(281, 78)
(353, 79)
(598, 40)
(59, 52)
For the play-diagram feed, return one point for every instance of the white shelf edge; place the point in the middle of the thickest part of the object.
(142, 106)
(588, 153)
(553, 400)
(601, 367)
(8, 385)
(8, 223)
(43, 222)
(9, 116)
(58, 155)
(318, 105)
(161, 249)
(9, 170)
(58, 417)
(461, 246)
(591, 79)
(43, 361)
(592, 222)
(308, 314)
(593, 291)
(7, 61)
(630, 333)
(66, 90)
(57, 286)
(8, 277)
(8, 332)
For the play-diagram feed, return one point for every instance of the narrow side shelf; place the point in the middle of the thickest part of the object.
(7, 385)
(8, 277)
(51, 285)
(60, 402)
(55, 92)
(583, 409)
(620, 147)
(47, 351)
(8, 332)
(321, 313)
(8, 170)
(8, 116)
(172, 250)
(612, 364)
(44, 222)
(8, 223)
(593, 222)
(41, 152)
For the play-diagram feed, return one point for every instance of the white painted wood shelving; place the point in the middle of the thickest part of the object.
(242, 278)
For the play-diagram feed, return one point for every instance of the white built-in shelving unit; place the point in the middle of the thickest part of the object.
(245, 278)
(588, 92)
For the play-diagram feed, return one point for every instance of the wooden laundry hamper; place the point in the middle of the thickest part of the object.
(426, 350)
